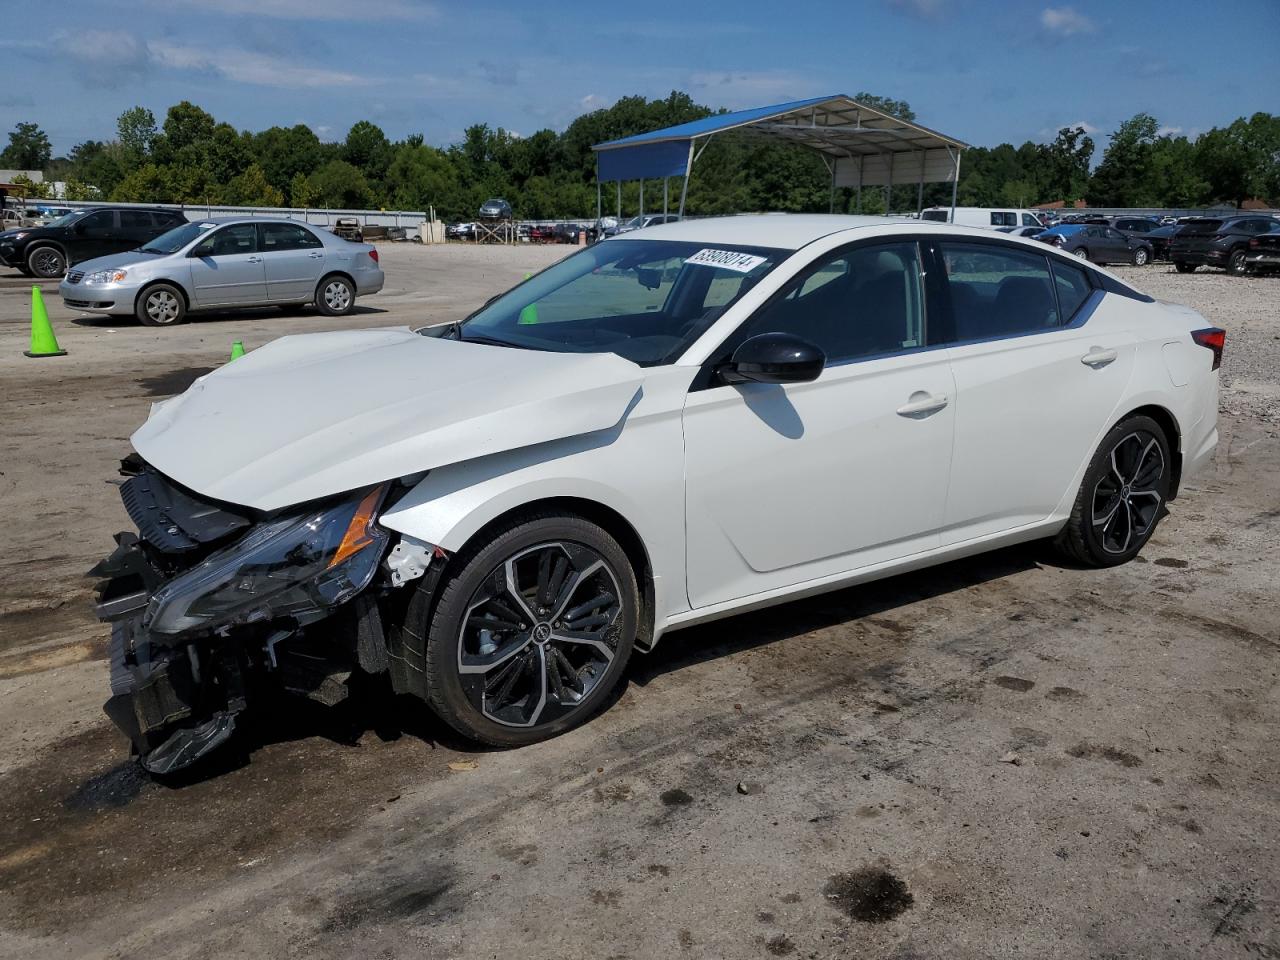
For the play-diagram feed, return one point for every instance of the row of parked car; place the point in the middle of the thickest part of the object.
(1241, 244)
(157, 266)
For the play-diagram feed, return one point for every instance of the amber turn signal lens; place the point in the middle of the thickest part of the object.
(358, 536)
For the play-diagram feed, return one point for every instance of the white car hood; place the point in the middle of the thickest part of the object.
(314, 415)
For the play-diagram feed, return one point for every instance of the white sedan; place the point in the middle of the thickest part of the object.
(665, 428)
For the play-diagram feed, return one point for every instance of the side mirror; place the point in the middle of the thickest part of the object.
(774, 358)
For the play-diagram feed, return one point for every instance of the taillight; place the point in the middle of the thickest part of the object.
(373, 255)
(1215, 338)
(1253, 243)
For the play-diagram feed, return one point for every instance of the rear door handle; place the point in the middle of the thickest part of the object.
(1097, 357)
(254, 260)
(316, 256)
(921, 404)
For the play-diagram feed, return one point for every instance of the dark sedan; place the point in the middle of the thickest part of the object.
(1160, 238)
(1218, 242)
(1097, 242)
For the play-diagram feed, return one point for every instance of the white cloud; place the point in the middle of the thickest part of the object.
(738, 89)
(1084, 125)
(1065, 21)
(103, 58)
(259, 69)
(1169, 132)
(312, 9)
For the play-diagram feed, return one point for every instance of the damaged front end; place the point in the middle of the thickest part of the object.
(210, 601)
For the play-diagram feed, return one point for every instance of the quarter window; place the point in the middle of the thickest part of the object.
(1073, 287)
(858, 303)
(997, 291)
(287, 236)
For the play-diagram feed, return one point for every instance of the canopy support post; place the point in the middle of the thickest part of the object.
(920, 188)
(860, 159)
(955, 183)
(665, 183)
(599, 193)
(642, 201)
(888, 188)
(831, 197)
(688, 169)
(619, 203)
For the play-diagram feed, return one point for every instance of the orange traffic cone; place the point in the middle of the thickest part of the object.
(43, 342)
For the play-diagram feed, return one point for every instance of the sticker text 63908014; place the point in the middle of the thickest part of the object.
(726, 260)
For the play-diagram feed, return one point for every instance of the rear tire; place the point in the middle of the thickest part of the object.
(1237, 266)
(1141, 257)
(1122, 496)
(335, 296)
(161, 305)
(1183, 267)
(557, 661)
(1081, 252)
(47, 263)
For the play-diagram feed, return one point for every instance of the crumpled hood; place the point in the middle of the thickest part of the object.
(318, 414)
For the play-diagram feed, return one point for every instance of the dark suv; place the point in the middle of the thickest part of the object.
(47, 251)
(1209, 241)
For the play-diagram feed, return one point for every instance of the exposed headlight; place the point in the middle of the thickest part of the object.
(297, 567)
(106, 276)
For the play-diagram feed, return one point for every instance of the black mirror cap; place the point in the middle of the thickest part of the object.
(774, 358)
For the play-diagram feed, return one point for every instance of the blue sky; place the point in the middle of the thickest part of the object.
(980, 70)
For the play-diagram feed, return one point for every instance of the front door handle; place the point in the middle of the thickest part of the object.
(921, 404)
(316, 256)
(1097, 357)
(254, 260)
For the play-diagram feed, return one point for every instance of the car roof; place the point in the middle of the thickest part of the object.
(223, 221)
(782, 231)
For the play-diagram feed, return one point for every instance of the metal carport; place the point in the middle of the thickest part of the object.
(860, 145)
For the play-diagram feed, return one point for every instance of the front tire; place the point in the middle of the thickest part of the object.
(532, 632)
(1122, 497)
(47, 263)
(335, 296)
(161, 305)
(1081, 252)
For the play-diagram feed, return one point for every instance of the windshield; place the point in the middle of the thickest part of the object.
(177, 238)
(65, 219)
(644, 300)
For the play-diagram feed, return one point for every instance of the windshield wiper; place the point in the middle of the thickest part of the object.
(492, 341)
(151, 250)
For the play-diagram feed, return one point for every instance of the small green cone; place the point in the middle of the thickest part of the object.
(530, 313)
(43, 342)
(237, 350)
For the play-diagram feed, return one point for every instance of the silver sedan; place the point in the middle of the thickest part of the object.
(226, 263)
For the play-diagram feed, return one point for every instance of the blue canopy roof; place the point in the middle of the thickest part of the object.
(838, 126)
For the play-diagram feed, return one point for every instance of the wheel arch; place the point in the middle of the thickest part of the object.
(344, 274)
(485, 518)
(186, 297)
(40, 242)
(1172, 431)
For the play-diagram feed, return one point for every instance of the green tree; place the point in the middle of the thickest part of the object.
(1065, 165)
(28, 148)
(252, 189)
(31, 189)
(367, 148)
(340, 184)
(136, 131)
(1124, 177)
(285, 152)
(420, 177)
(301, 193)
(148, 184)
(895, 108)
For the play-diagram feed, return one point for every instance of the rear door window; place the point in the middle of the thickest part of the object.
(278, 237)
(998, 291)
(97, 224)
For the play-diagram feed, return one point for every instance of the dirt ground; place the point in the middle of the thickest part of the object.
(999, 757)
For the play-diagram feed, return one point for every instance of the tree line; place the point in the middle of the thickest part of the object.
(192, 158)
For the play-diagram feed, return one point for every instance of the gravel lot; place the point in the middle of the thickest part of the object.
(998, 757)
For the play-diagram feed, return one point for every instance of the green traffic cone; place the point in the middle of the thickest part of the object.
(43, 342)
(237, 350)
(530, 313)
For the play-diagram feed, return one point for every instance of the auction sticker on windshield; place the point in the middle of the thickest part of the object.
(726, 260)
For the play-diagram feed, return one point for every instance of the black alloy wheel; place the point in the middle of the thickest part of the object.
(532, 632)
(1122, 497)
